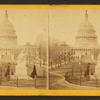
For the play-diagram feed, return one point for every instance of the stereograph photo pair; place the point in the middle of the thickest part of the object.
(49, 50)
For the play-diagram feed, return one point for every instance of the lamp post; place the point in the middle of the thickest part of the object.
(65, 57)
(35, 81)
(40, 53)
(72, 70)
(96, 81)
(0, 76)
(80, 74)
(17, 82)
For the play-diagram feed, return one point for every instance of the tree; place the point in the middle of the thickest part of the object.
(7, 74)
(87, 72)
(57, 53)
(34, 72)
(41, 43)
(69, 55)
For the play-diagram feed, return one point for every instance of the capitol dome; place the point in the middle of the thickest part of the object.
(86, 34)
(8, 37)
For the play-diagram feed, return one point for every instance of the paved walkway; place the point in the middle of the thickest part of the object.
(60, 83)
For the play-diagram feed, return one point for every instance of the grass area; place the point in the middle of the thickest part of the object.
(53, 78)
(76, 68)
(92, 83)
(37, 83)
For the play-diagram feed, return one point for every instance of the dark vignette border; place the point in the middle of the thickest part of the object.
(49, 98)
(50, 2)
(60, 2)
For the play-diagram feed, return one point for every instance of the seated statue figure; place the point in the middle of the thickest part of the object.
(21, 69)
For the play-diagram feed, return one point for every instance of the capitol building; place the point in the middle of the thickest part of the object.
(86, 48)
(10, 50)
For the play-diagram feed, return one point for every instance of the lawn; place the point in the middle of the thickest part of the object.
(39, 83)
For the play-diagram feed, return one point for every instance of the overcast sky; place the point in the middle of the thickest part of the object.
(63, 23)
(29, 24)
(66, 22)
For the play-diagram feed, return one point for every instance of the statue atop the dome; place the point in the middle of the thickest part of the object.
(86, 15)
(6, 14)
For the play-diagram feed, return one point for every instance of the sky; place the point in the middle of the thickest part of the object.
(65, 23)
(32, 24)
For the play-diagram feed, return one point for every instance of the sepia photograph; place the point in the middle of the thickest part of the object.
(74, 49)
(49, 48)
(23, 48)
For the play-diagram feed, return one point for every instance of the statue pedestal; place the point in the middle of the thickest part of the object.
(97, 69)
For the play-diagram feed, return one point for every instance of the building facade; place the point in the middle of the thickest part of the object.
(86, 47)
(85, 52)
